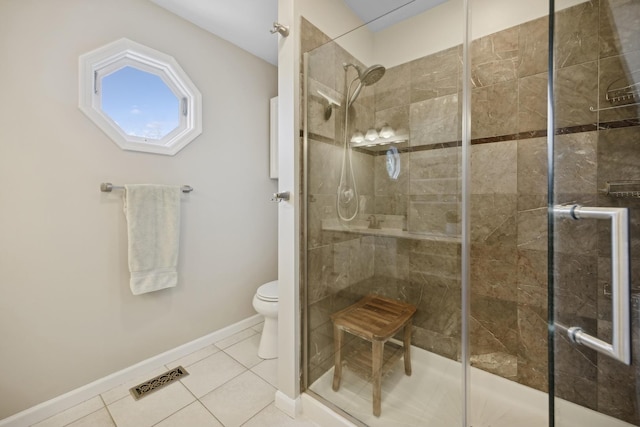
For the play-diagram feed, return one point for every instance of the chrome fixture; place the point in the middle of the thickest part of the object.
(280, 197)
(367, 77)
(107, 187)
(347, 199)
(628, 188)
(279, 28)
(621, 91)
(331, 103)
(620, 346)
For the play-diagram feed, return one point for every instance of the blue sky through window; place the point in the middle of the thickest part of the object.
(140, 103)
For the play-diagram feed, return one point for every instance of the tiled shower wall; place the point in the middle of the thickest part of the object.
(596, 43)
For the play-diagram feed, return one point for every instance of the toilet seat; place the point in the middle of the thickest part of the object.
(268, 292)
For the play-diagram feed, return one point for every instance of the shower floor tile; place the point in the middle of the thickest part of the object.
(431, 396)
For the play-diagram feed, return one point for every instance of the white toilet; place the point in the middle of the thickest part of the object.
(265, 302)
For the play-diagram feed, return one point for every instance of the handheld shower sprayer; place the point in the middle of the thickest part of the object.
(347, 197)
(366, 77)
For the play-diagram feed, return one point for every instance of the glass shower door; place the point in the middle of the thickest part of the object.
(594, 215)
(381, 184)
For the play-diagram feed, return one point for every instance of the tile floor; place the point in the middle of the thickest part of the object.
(228, 385)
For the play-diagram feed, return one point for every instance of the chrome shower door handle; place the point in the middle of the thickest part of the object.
(620, 346)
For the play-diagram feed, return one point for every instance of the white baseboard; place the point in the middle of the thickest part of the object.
(68, 400)
(288, 405)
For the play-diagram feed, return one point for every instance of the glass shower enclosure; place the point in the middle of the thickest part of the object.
(446, 155)
(594, 210)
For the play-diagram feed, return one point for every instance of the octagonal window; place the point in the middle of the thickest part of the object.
(141, 98)
(140, 103)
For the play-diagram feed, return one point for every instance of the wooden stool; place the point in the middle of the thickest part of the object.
(376, 319)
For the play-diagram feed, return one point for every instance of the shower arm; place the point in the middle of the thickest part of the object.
(355, 93)
(348, 100)
(348, 103)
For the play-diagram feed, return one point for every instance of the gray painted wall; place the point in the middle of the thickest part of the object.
(67, 316)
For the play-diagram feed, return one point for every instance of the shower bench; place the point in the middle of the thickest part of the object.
(375, 319)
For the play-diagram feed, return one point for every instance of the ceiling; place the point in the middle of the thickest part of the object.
(246, 23)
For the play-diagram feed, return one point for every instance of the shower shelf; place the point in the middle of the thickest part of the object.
(360, 227)
(595, 110)
(619, 91)
(396, 139)
(626, 189)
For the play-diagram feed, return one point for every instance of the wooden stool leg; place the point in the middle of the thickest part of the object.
(337, 348)
(377, 350)
(407, 348)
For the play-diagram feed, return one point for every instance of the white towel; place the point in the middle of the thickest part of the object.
(153, 225)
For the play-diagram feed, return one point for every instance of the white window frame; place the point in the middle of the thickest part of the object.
(121, 53)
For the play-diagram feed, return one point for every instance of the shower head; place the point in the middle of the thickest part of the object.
(367, 77)
(371, 74)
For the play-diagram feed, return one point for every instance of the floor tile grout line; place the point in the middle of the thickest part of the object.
(244, 339)
(211, 391)
(257, 413)
(113, 420)
(78, 419)
(173, 413)
(200, 402)
(140, 382)
(251, 369)
(166, 366)
(214, 389)
(129, 395)
(92, 412)
(129, 388)
(209, 411)
(245, 369)
(231, 356)
(196, 361)
(243, 365)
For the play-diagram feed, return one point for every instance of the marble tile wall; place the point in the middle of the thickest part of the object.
(596, 43)
(336, 261)
(604, 52)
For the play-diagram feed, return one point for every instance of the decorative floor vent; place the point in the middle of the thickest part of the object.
(163, 380)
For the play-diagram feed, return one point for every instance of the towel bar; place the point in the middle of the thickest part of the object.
(107, 187)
